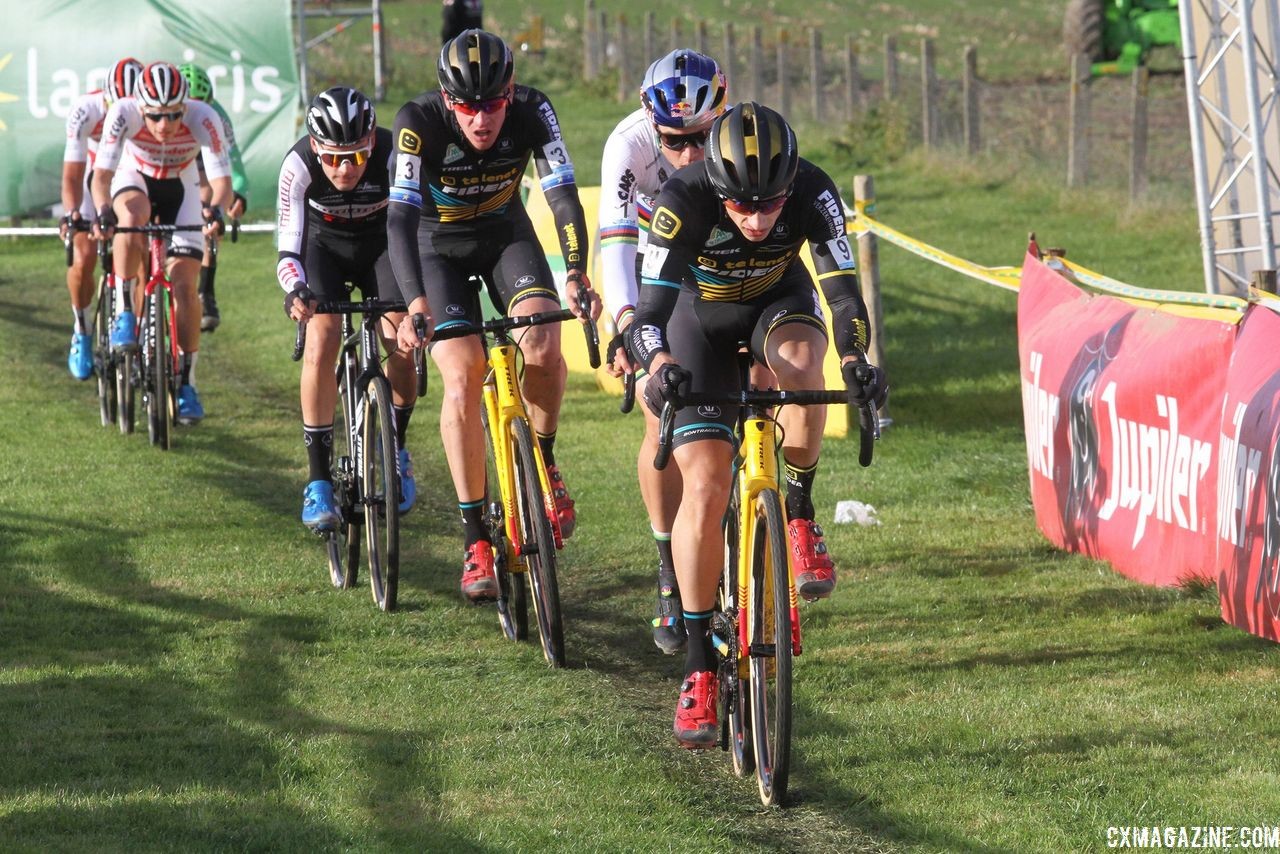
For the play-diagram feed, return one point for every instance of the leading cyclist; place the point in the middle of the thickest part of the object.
(722, 267)
(145, 166)
(84, 130)
(682, 94)
(455, 213)
(332, 204)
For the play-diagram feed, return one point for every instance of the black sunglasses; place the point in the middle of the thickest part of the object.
(681, 141)
(173, 117)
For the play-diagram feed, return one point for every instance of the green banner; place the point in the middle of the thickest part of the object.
(57, 50)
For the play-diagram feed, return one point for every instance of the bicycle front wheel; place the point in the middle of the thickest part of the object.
(343, 544)
(538, 546)
(513, 600)
(380, 490)
(103, 365)
(156, 361)
(770, 649)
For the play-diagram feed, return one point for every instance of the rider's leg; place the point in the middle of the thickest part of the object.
(129, 254)
(794, 352)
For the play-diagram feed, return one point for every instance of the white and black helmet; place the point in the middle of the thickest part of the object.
(340, 116)
(161, 85)
(751, 153)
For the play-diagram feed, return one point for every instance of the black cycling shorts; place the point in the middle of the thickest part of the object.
(332, 261)
(705, 336)
(506, 253)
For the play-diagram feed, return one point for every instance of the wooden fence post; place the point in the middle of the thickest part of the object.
(757, 63)
(890, 68)
(602, 43)
(852, 80)
(1265, 280)
(700, 37)
(1138, 149)
(928, 95)
(784, 79)
(673, 39)
(1078, 141)
(650, 39)
(972, 107)
(816, 76)
(589, 39)
(727, 64)
(864, 194)
(625, 81)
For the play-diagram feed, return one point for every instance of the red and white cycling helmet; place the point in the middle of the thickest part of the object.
(122, 79)
(161, 85)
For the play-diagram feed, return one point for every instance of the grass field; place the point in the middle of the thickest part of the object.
(177, 673)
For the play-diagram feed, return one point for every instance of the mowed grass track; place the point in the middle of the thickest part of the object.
(177, 674)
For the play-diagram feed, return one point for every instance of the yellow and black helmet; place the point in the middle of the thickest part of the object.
(474, 66)
(751, 153)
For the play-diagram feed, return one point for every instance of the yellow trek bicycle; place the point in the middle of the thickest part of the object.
(756, 624)
(522, 520)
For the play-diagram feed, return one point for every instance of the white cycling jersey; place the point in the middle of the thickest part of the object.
(84, 127)
(126, 133)
(632, 172)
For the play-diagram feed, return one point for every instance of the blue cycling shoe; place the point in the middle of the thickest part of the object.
(80, 359)
(124, 332)
(408, 487)
(318, 512)
(189, 409)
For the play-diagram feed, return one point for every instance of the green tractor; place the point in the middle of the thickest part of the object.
(1117, 35)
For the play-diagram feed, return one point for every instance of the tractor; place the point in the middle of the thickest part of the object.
(1118, 35)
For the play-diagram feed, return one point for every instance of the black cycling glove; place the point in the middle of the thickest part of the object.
(107, 218)
(664, 386)
(866, 383)
(301, 292)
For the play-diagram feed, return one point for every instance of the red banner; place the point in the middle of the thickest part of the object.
(1248, 533)
(1122, 406)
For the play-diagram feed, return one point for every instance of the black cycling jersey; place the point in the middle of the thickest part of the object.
(312, 210)
(693, 245)
(445, 187)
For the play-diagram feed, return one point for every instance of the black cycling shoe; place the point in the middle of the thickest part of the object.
(668, 625)
(210, 318)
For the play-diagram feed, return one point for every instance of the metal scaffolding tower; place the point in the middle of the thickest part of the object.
(324, 9)
(1229, 56)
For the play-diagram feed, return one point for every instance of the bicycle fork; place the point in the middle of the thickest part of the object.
(758, 472)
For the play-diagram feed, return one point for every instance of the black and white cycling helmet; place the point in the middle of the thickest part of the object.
(751, 153)
(122, 79)
(475, 66)
(161, 85)
(340, 116)
(684, 89)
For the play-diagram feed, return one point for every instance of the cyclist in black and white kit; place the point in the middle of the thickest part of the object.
(333, 191)
(722, 267)
(455, 213)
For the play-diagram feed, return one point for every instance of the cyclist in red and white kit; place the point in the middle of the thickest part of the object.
(84, 129)
(146, 167)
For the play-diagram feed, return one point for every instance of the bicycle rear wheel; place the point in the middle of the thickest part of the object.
(156, 365)
(380, 488)
(103, 365)
(735, 713)
(539, 547)
(343, 543)
(770, 648)
(513, 599)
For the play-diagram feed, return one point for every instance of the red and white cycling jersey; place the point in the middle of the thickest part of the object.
(84, 127)
(126, 132)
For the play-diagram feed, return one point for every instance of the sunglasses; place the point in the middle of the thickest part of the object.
(767, 206)
(487, 106)
(335, 159)
(159, 117)
(681, 141)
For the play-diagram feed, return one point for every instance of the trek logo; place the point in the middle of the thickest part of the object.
(453, 154)
(665, 223)
(409, 142)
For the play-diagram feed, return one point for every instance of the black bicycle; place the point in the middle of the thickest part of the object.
(105, 363)
(366, 455)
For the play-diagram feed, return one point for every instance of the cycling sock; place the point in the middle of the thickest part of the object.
(473, 527)
(319, 444)
(206, 286)
(547, 441)
(663, 541)
(799, 489)
(81, 316)
(402, 415)
(187, 362)
(698, 654)
(124, 294)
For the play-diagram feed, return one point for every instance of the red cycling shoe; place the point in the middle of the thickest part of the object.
(814, 573)
(479, 581)
(695, 726)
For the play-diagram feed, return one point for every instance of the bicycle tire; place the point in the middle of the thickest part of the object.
(539, 547)
(342, 545)
(157, 364)
(103, 365)
(380, 490)
(770, 638)
(513, 598)
(735, 712)
(125, 385)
